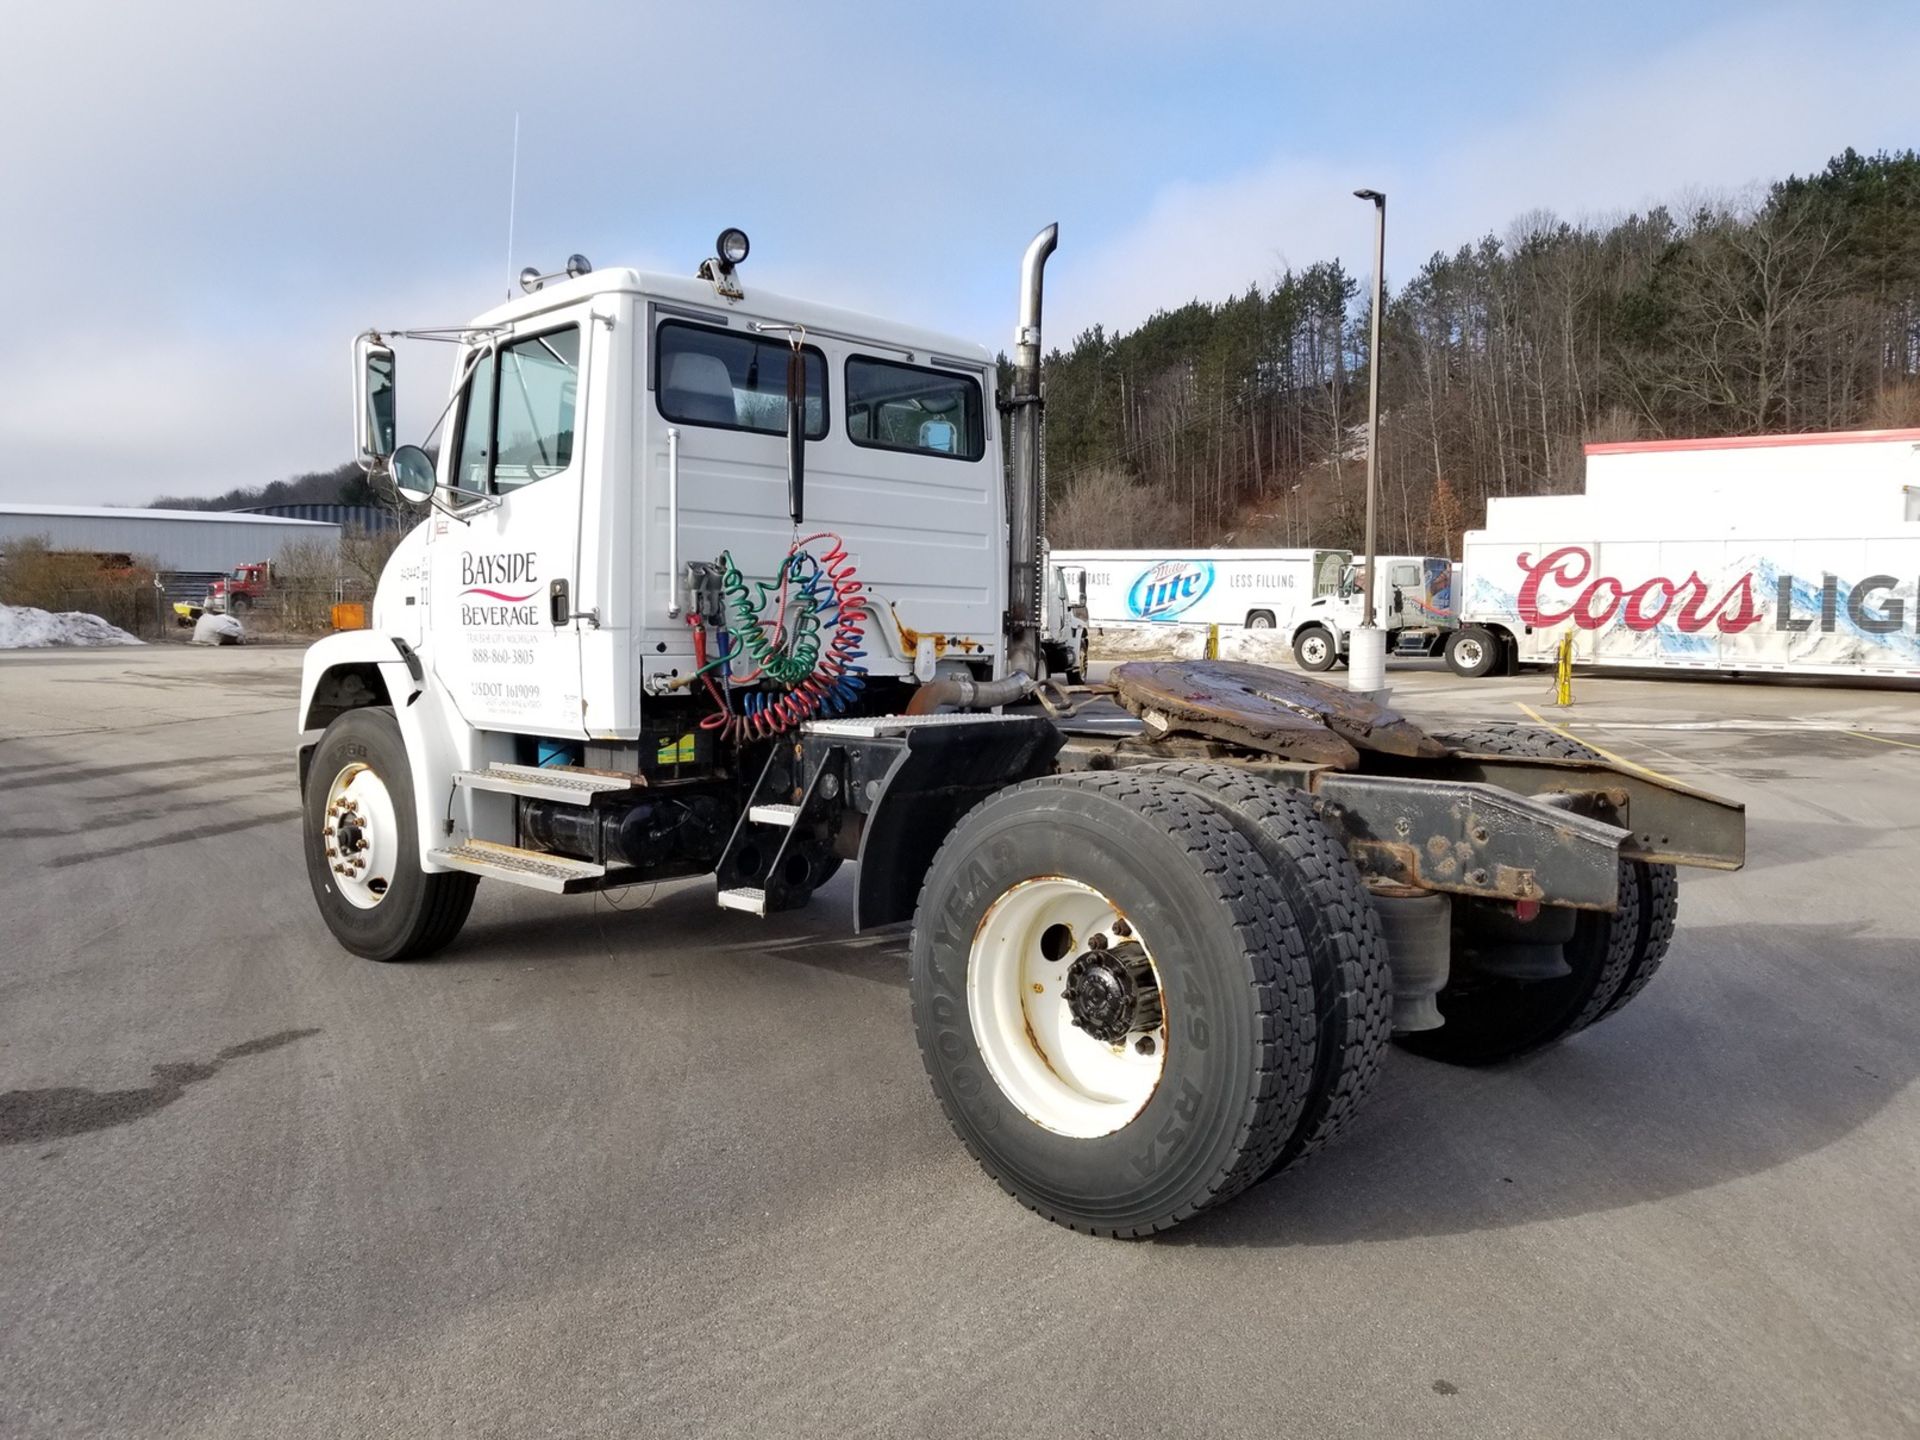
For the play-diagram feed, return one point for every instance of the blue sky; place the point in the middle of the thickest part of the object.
(205, 201)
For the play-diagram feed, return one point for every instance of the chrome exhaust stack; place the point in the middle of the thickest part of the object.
(1026, 508)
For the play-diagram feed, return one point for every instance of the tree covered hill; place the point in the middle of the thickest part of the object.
(1243, 422)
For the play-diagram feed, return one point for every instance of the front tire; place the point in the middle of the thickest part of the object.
(1473, 652)
(1314, 649)
(1114, 1010)
(363, 851)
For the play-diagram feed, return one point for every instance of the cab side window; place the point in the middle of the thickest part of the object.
(731, 381)
(473, 456)
(516, 425)
(539, 384)
(891, 406)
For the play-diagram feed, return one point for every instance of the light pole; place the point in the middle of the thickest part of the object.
(1367, 651)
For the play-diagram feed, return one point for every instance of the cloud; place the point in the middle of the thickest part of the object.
(207, 200)
(1729, 109)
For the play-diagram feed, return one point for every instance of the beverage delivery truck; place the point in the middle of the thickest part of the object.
(1793, 554)
(1259, 589)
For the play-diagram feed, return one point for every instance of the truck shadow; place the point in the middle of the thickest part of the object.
(1761, 1044)
(1796, 1037)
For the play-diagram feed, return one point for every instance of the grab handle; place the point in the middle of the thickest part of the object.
(673, 524)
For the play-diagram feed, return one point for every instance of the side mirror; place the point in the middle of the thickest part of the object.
(375, 417)
(796, 432)
(413, 473)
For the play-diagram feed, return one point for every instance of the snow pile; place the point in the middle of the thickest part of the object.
(1261, 647)
(24, 628)
(212, 629)
(1187, 642)
(1147, 642)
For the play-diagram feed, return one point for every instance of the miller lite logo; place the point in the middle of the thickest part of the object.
(1170, 588)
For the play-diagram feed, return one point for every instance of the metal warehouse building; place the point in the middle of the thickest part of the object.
(176, 540)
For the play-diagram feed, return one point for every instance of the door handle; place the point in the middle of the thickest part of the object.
(557, 600)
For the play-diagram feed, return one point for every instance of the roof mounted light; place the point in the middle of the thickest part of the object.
(577, 265)
(728, 251)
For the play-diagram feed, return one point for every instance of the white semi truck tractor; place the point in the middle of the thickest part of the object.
(709, 580)
(1413, 602)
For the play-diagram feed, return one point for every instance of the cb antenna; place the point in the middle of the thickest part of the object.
(513, 188)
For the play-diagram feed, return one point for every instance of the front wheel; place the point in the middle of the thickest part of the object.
(363, 849)
(1112, 1002)
(1314, 649)
(1472, 652)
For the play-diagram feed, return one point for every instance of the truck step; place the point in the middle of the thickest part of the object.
(774, 814)
(559, 874)
(754, 902)
(566, 784)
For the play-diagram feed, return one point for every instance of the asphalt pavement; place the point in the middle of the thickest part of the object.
(631, 1165)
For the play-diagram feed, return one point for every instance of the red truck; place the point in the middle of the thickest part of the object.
(234, 593)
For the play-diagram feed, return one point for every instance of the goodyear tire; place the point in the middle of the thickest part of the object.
(1114, 1010)
(1611, 957)
(358, 806)
(1314, 649)
(1339, 928)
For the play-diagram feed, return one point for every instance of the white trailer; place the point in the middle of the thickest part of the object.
(713, 581)
(1793, 554)
(1260, 589)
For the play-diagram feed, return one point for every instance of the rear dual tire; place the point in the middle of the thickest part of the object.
(1611, 957)
(1233, 1060)
(1264, 947)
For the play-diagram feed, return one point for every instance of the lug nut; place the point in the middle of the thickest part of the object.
(1122, 929)
(1096, 942)
(1144, 1045)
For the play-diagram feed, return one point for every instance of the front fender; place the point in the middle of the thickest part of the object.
(368, 667)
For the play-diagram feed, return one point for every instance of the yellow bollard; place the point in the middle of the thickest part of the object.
(1213, 642)
(1563, 671)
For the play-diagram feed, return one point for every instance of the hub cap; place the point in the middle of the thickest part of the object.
(1065, 1003)
(361, 834)
(1313, 650)
(1468, 652)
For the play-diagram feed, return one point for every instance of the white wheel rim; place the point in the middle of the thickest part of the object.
(1469, 653)
(1313, 650)
(1260, 622)
(361, 835)
(1057, 1074)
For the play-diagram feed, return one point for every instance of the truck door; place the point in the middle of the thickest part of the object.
(504, 580)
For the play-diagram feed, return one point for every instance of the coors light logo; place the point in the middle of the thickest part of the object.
(1592, 602)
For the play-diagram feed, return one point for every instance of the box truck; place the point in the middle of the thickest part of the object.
(1794, 554)
(1260, 589)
